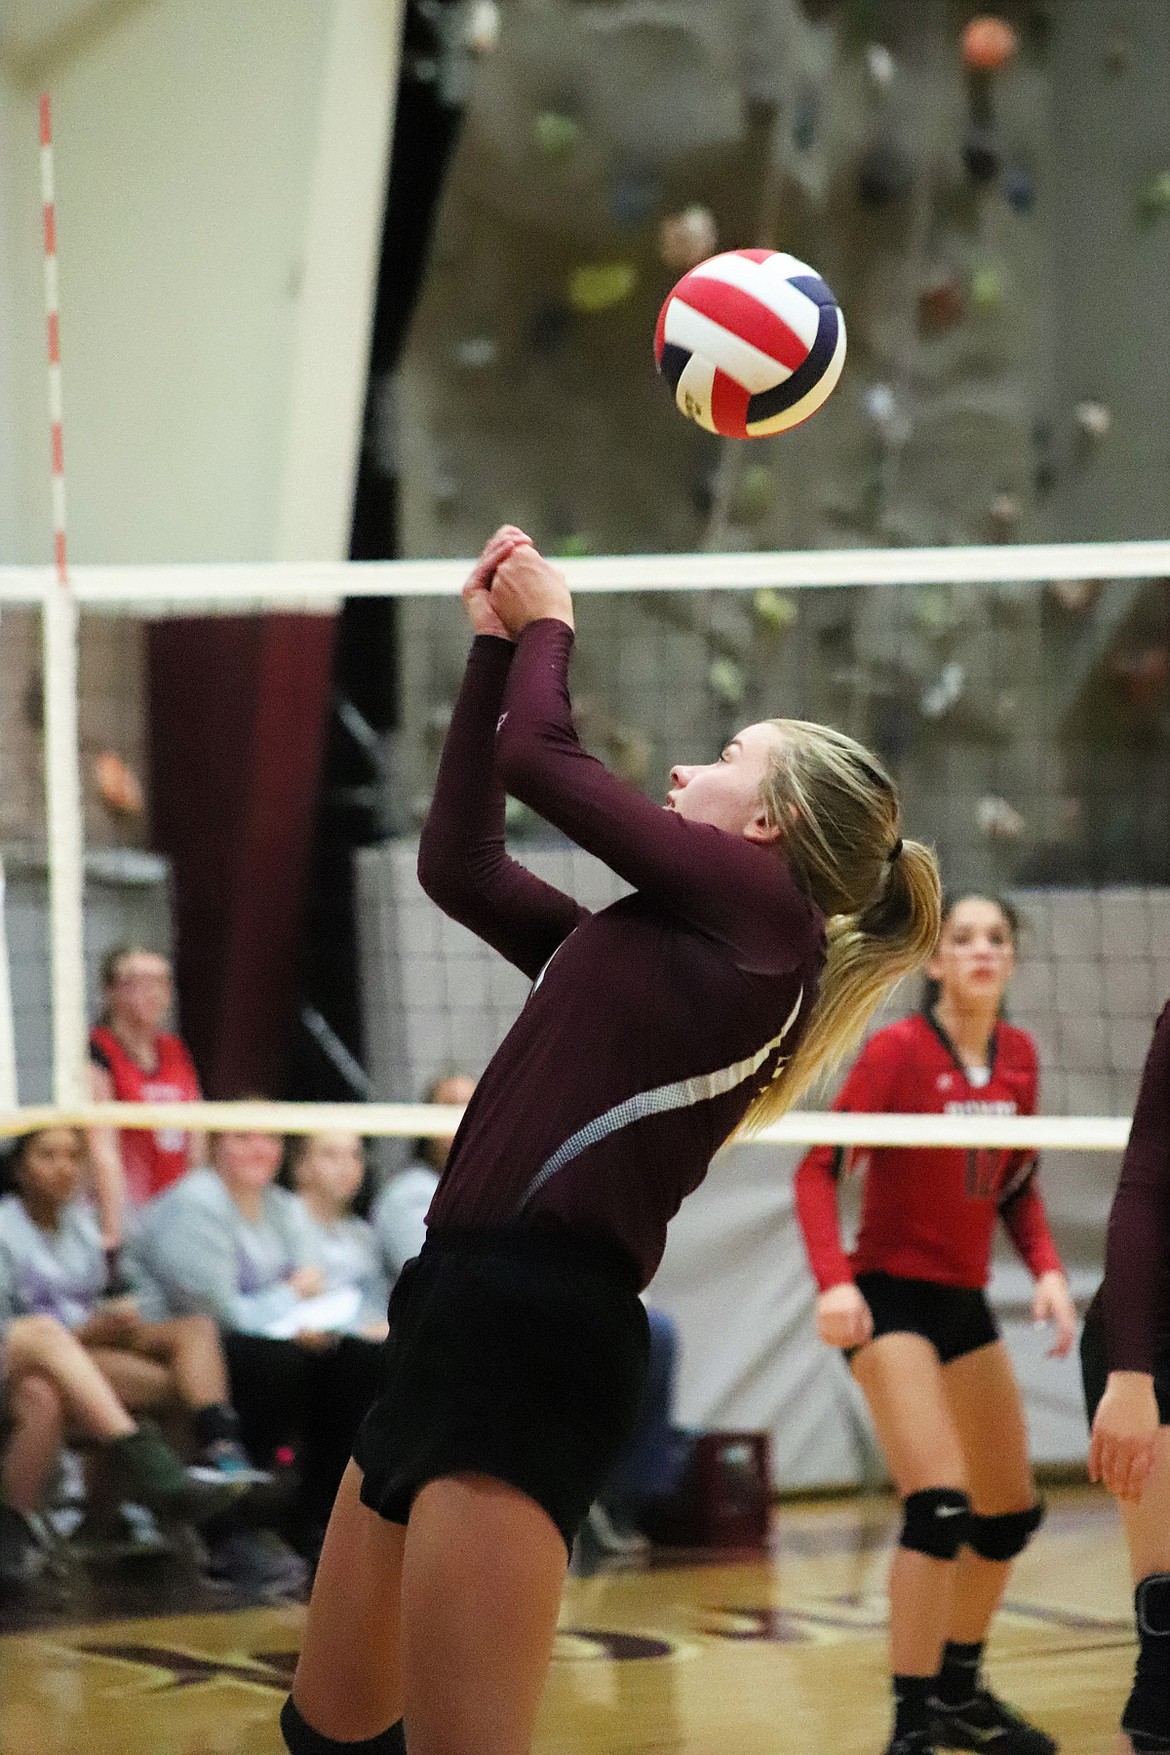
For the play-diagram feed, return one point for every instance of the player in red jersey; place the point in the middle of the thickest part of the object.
(908, 1308)
(134, 1060)
(1125, 1363)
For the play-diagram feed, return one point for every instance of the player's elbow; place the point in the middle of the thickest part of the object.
(438, 865)
(524, 766)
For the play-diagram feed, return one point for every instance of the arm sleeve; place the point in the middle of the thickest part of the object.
(735, 891)
(1026, 1221)
(194, 1261)
(1136, 1298)
(462, 862)
(1021, 1205)
(868, 1089)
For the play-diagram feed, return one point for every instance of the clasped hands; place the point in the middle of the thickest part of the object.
(511, 585)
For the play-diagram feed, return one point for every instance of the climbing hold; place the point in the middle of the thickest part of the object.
(988, 44)
(1094, 419)
(981, 155)
(726, 681)
(685, 239)
(599, 286)
(880, 65)
(554, 134)
(885, 174)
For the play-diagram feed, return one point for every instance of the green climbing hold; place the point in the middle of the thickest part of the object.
(601, 285)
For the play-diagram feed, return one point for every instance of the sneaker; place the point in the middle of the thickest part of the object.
(911, 1743)
(108, 1534)
(618, 1543)
(228, 1461)
(21, 1556)
(149, 1473)
(258, 1561)
(987, 1723)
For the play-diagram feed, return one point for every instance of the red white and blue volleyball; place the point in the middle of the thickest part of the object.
(751, 342)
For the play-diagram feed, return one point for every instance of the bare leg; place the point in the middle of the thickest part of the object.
(189, 1348)
(44, 1346)
(902, 1381)
(38, 1425)
(481, 1588)
(1147, 1533)
(988, 1412)
(348, 1683)
(474, 1583)
(138, 1383)
(1147, 1520)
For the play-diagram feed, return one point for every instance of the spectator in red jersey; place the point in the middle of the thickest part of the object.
(1125, 1365)
(909, 1310)
(134, 1060)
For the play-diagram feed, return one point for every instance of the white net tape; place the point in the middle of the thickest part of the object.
(180, 589)
(1071, 1133)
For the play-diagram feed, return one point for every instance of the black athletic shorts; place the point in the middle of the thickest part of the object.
(521, 1355)
(1095, 1365)
(954, 1319)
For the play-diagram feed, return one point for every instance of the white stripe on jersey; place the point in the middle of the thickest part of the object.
(683, 1094)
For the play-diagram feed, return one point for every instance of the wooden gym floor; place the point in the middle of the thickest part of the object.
(759, 1655)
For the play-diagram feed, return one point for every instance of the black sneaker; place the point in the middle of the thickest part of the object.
(987, 1723)
(257, 1561)
(109, 1534)
(911, 1743)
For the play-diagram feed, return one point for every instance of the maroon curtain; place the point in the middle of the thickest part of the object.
(238, 715)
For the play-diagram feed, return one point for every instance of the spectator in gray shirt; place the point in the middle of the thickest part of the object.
(326, 1171)
(400, 1211)
(226, 1242)
(52, 1264)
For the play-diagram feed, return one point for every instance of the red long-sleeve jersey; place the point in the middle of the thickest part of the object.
(929, 1213)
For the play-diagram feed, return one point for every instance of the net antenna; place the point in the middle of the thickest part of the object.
(62, 758)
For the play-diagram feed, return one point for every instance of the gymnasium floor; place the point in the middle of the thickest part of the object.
(759, 1655)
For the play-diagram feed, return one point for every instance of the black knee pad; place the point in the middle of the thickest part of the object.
(1147, 1711)
(934, 1522)
(1006, 1535)
(301, 1739)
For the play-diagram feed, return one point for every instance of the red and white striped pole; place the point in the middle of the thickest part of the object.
(62, 759)
(53, 321)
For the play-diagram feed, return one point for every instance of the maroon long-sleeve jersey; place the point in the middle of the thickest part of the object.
(929, 1214)
(1135, 1295)
(652, 1024)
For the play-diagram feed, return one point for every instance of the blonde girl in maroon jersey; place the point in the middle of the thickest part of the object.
(908, 1308)
(773, 902)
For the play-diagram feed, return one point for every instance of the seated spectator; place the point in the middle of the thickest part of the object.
(134, 1060)
(52, 1264)
(400, 1211)
(226, 1243)
(75, 1357)
(55, 1390)
(326, 1171)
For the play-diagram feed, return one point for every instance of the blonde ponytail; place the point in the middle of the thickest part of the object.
(838, 814)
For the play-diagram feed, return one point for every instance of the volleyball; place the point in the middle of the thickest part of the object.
(751, 342)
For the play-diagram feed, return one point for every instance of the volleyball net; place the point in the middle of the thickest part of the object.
(1018, 693)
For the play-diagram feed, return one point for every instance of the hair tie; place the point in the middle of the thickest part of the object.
(895, 851)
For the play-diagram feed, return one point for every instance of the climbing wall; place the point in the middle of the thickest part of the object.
(997, 236)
